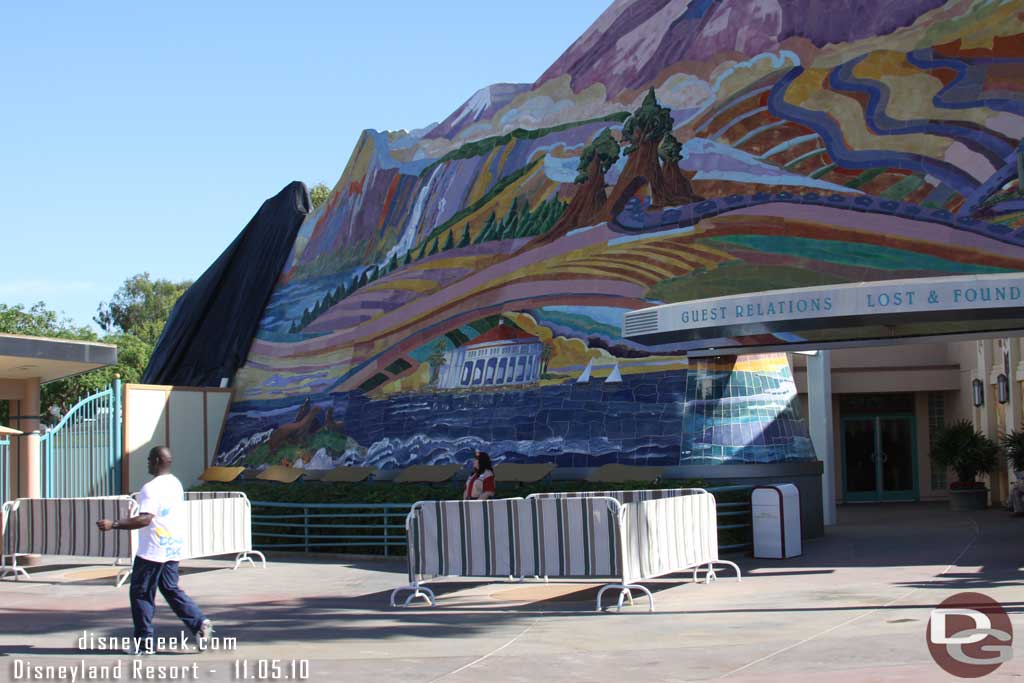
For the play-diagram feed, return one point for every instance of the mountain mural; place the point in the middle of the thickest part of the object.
(463, 278)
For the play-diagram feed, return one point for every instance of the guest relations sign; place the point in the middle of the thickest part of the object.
(831, 306)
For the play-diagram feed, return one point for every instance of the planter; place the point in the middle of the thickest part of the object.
(968, 499)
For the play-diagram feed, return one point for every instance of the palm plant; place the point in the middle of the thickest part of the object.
(1013, 447)
(966, 451)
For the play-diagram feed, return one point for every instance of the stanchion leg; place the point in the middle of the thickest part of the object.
(739, 576)
(122, 576)
(642, 589)
(418, 591)
(247, 557)
(12, 568)
(625, 592)
(712, 575)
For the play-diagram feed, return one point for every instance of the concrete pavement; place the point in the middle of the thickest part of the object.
(854, 607)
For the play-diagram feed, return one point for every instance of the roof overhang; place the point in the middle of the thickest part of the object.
(51, 359)
(838, 315)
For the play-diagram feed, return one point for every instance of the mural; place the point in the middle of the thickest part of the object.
(464, 284)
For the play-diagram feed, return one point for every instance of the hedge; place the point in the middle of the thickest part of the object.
(387, 492)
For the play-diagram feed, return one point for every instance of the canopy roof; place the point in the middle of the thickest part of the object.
(48, 359)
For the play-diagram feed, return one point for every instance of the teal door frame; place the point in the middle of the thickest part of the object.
(879, 493)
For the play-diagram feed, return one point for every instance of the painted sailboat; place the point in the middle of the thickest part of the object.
(585, 375)
(615, 376)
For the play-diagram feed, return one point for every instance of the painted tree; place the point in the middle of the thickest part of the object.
(436, 361)
(488, 229)
(464, 242)
(433, 248)
(587, 206)
(393, 263)
(678, 188)
(642, 134)
(1020, 167)
(449, 243)
(408, 258)
(545, 356)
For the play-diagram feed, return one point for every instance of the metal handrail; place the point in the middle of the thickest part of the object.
(390, 529)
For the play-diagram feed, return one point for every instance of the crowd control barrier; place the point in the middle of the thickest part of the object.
(66, 526)
(628, 535)
(219, 523)
(215, 523)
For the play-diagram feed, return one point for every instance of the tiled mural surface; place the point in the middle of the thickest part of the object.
(464, 284)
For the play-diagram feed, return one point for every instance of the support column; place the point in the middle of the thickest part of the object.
(821, 425)
(29, 465)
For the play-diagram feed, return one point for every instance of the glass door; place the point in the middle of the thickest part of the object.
(879, 458)
(897, 461)
(859, 470)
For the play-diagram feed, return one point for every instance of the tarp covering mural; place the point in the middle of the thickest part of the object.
(464, 284)
(208, 333)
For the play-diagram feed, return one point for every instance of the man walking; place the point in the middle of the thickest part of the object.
(161, 536)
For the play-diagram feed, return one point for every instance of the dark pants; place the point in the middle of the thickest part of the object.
(147, 576)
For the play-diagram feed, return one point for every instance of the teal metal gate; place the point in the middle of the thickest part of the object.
(5, 470)
(81, 456)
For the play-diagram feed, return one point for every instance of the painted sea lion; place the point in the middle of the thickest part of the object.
(311, 421)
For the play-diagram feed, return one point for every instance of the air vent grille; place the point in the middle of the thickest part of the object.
(641, 322)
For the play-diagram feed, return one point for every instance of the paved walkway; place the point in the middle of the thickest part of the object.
(852, 608)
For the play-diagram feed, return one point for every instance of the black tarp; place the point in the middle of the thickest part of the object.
(209, 332)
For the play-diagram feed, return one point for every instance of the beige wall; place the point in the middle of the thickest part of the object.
(922, 368)
(188, 420)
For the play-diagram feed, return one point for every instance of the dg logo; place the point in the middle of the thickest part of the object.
(970, 635)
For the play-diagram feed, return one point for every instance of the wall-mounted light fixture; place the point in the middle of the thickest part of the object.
(978, 393)
(1003, 388)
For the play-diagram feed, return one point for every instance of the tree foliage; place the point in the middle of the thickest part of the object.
(604, 148)
(647, 124)
(40, 321)
(670, 149)
(140, 307)
(318, 194)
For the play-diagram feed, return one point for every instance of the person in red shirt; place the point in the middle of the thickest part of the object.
(480, 485)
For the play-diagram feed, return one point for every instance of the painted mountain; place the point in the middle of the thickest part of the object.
(464, 284)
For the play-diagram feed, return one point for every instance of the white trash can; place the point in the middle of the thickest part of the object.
(776, 521)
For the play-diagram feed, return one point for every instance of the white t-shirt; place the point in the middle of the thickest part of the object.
(163, 540)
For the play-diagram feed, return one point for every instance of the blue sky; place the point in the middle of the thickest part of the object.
(143, 136)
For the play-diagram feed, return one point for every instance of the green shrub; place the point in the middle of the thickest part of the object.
(387, 492)
(965, 450)
(1013, 447)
